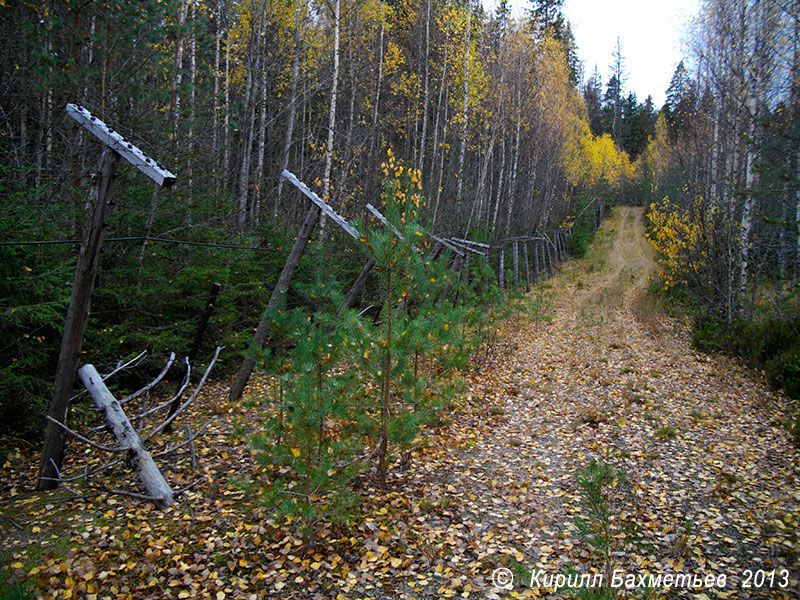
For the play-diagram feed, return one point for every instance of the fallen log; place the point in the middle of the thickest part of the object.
(141, 461)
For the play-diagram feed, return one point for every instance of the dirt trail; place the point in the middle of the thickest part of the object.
(629, 261)
(713, 483)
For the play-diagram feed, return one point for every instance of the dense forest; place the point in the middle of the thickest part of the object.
(508, 134)
(490, 111)
(493, 119)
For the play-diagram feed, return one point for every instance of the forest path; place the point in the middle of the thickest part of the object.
(590, 370)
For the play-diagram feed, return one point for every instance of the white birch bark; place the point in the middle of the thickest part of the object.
(512, 191)
(255, 209)
(226, 129)
(425, 93)
(287, 141)
(192, 105)
(751, 149)
(253, 71)
(326, 178)
(464, 111)
(215, 119)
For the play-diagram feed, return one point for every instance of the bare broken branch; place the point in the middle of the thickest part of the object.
(85, 440)
(191, 398)
(185, 489)
(60, 480)
(120, 367)
(185, 442)
(128, 365)
(153, 383)
(134, 495)
(87, 474)
(178, 394)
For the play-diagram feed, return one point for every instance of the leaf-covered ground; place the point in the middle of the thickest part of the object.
(707, 480)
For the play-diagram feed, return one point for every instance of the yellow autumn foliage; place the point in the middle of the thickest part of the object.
(655, 161)
(675, 233)
(589, 158)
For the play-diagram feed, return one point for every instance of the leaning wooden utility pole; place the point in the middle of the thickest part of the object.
(285, 278)
(88, 263)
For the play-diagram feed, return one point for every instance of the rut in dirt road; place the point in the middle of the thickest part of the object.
(712, 479)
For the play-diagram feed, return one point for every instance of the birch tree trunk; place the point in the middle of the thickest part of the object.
(175, 114)
(192, 106)
(481, 185)
(435, 147)
(795, 107)
(226, 129)
(255, 209)
(464, 111)
(500, 182)
(374, 144)
(425, 93)
(326, 178)
(253, 69)
(751, 148)
(287, 141)
(177, 80)
(215, 119)
(512, 191)
(347, 152)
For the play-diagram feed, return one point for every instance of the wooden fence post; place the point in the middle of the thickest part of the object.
(195, 347)
(204, 318)
(456, 266)
(516, 262)
(555, 251)
(285, 278)
(501, 271)
(527, 267)
(115, 146)
(360, 282)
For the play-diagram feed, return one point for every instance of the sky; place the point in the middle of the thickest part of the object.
(650, 34)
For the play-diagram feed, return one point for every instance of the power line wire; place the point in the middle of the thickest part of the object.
(141, 239)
